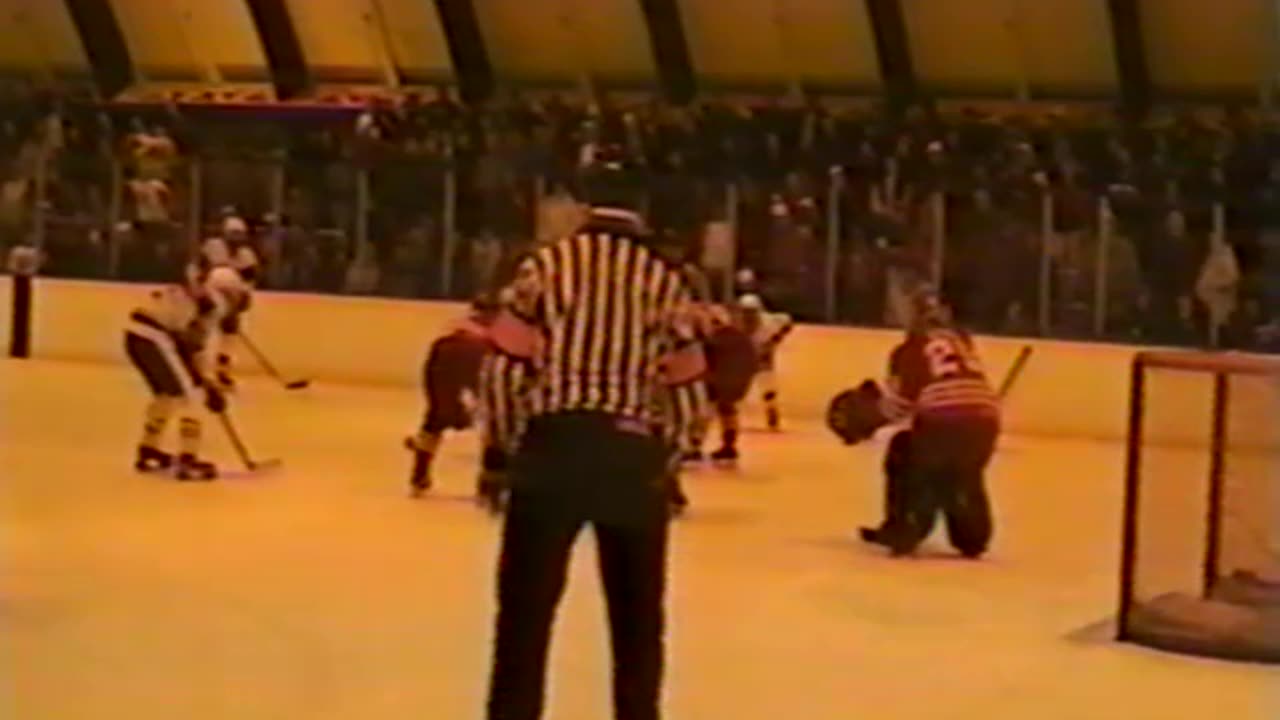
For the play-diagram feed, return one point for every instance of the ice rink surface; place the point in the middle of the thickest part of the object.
(321, 591)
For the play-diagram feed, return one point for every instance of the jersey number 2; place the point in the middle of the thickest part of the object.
(947, 358)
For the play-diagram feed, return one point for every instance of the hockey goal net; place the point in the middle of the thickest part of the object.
(1200, 565)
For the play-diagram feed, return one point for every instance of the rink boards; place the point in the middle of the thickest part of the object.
(1067, 389)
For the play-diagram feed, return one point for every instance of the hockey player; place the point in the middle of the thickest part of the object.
(163, 339)
(500, 376)
(936, 381)
(732, 362)
(230, 250)
(449, 379)
(767, 331)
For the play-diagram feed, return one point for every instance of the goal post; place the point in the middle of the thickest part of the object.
(1200, 546)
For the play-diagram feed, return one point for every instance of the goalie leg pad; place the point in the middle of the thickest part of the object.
(954, 455)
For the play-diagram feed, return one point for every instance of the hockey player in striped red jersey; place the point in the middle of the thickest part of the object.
(937, 383)
(164, 339)
(449, 379)
(732, 361)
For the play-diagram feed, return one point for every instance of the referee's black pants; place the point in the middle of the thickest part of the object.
(574, 469)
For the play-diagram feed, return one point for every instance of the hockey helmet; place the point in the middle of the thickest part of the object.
(234, 227)
(751, 302)
(927, 309)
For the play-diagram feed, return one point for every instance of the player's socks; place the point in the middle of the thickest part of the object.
(772, 417)
(423, 446)
(157, 417)
(728, 451)
(420, 475)
(223, 373)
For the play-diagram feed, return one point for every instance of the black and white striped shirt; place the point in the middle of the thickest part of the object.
(605, 323)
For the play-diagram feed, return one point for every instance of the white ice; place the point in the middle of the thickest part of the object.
(321, 591)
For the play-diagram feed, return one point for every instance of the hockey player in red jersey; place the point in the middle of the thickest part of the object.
(937, 382)
(732, 363)
(449, 379)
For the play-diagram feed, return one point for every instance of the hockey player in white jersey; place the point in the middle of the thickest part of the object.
(232, 297)
(767, 331)
(232, 251)
(163, 339)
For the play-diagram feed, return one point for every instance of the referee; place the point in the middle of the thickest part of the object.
(601, 319)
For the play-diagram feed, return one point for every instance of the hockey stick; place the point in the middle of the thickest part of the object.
(241, 450)
(1015, 371)
(270, 368)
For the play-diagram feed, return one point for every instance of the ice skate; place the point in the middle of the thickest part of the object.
(419, 478)
(725, 456)
(773, 419)
(677, 501)
(872, 535)
(150, 459)
(692, 457)
(420, 475)
(884, 538)
(192, 468)
(489, 494)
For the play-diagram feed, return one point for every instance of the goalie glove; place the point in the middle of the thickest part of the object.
(854, 415)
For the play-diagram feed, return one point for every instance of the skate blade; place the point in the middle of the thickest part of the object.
(454, 498)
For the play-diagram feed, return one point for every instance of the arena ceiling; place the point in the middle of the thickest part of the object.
(981, 47)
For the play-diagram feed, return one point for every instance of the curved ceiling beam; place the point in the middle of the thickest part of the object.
(290, 74)
(1130, 55)
(670, 46)
(893, 51)
(104, 45)
(467, 51)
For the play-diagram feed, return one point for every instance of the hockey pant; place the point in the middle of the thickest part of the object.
(170, 375)
(937, 467)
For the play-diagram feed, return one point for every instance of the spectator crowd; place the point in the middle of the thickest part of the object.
(1035, 220)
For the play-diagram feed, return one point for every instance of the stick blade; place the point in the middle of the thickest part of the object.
(257, 469)
(297, 385)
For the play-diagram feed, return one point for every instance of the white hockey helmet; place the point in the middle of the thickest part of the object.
(234, 226)
(751, 301)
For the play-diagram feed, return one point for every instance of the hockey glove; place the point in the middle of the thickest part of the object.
(214, 400)
(854, 415)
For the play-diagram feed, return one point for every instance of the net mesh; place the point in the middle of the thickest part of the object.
(1206, 568)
